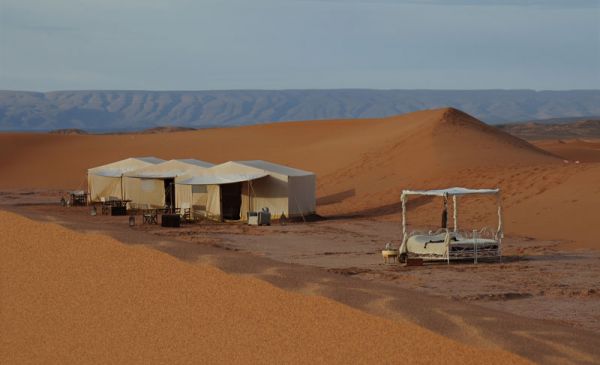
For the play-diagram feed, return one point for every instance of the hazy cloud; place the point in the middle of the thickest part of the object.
(538, 3)
(233, 44)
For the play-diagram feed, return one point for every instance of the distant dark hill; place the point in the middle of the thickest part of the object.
(163, 129)
(138, 110)
(586, 128)
(68, 131)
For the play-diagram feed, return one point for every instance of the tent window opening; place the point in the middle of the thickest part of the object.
(231, 201)
(199, 189)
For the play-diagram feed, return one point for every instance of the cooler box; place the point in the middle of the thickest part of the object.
(118, 210)
(170, 220)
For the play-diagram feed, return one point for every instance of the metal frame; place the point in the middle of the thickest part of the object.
(454, 252)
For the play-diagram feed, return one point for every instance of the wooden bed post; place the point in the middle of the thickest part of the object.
(500, 231)
(455, 213)
(403, 199)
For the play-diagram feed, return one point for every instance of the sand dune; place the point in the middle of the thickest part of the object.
(362, 165)
(583, 150)
(74, 298)
(443, 138)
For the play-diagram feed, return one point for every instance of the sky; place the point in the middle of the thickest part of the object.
(299, 44)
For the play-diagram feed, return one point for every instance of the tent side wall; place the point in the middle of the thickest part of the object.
(183, 195)
(302, 195)
(149, 192)
(268, 192)
(195, 196)
(104, 187)
(213, 201)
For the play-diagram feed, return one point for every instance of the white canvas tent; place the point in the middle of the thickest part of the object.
(153, 186)
(106, 181)
(232, 189)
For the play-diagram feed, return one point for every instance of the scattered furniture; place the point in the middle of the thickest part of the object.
(118, 210)
(389, 255)
(150, 216)
(78, 198)
(170, 220)
(262, 218)
(110, 203)
(186, 213)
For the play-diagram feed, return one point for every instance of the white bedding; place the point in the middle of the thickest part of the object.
(424, 244)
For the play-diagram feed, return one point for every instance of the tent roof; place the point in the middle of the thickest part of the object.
(211, 179)
(118, 168)
(273, 167)
(150, 159)
(199, 163)
(450, 191)
(168, 169)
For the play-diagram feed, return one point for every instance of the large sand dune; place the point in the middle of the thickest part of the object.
(362, 165)
(74, 298)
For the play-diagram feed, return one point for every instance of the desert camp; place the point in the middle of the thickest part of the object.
(300, 182)
(228, 191)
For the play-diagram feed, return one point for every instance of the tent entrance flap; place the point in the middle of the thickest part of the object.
(231, 201)
(169, 185)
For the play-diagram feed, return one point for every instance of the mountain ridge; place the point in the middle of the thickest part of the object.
(113, 110)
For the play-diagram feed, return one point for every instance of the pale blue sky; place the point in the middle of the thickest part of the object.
(288, 44)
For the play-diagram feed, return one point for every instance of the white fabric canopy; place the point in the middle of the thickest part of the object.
(169, 174)
(109, 172)
(450, 191)
(116, 169)
(221, 179)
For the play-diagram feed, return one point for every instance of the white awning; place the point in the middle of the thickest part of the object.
(450, 191)
(108, 172)
(221, 179)
(157, 174)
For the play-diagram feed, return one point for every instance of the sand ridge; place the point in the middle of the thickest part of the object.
(583, 150)
(69, 297)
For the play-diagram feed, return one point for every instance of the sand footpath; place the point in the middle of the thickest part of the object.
(69, 297)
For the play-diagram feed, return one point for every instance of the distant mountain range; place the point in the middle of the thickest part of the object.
(102, 111)
(563, 129)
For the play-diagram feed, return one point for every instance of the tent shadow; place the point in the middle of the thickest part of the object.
(382, 210)
(336, 197)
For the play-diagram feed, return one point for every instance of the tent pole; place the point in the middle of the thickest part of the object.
(403, 198)
(499, 232)
(454, 206)
(122, 197)
(249, 200)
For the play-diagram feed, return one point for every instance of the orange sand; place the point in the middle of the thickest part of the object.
(583, 150)
(74, 298)
(362, 165)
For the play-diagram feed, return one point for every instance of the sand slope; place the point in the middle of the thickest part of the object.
(583, 150)
(421, 140)
(74, 298)
(362, 165)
